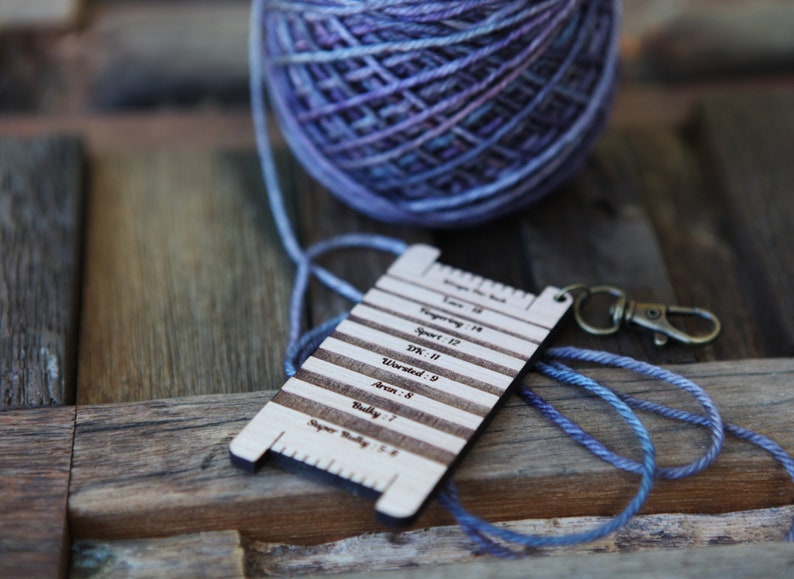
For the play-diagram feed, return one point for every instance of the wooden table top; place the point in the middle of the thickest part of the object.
(143, 320)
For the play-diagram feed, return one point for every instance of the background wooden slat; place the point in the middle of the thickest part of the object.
(425, 548)
(688, 216)
(683, 39)
(185, 281)
(180, 480)
(38, 13)
(218, 554)
(35, 456)
(636, 106)
(710, 562)
(40, 217)
(134, 54)
(750, 142)
(596, 231)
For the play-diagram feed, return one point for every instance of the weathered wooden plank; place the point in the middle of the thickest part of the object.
(38, 13)
(161, 467)
(35, 456)
(596, 231)
(40, 216)
(218, 554)
(448, 545)
(134, 54)
(691, 40)
(183, 274)
(637, 105)
(690, 221)
(749, 142)
(710, 562)
(142, 130)
(205, 44)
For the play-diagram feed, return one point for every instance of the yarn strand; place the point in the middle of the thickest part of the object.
(457, 166)
(445, 114)
(482, 533)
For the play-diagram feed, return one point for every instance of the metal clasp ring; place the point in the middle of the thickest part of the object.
(650, 316)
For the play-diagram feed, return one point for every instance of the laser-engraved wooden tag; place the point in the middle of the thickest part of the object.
(390, 401)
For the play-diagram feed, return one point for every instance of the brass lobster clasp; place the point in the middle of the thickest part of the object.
(650, 316)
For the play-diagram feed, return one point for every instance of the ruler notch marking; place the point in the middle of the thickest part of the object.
(392, 398)
(363, 430)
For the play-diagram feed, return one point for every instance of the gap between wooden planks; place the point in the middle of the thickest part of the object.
(637, 105)
(141, 53)
(691, 542)
(161, 468)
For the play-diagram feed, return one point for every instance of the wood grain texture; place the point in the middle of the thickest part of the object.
(35, 457)
(448, 545)
(693, 227)
(682, 39)
(142, 53)
(596, 231)
(161, 467)
(40, 236)
(38, 13)
(218, 554)
(138, 54)
(186, 284)
(637, 105)
(749, 141)
(711, 562)
(137, 131)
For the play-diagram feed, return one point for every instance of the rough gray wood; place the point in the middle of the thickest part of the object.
(39, 13)
(35, 459)
(118, 60)
(704, 563)
(40, 216)
(217, 554)
(186, 285)
(448, 545)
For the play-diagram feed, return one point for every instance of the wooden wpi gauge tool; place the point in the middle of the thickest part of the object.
(389, 402)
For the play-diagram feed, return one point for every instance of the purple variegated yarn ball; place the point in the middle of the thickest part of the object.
(440, 113)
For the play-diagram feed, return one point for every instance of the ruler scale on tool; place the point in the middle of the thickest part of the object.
(390, 401)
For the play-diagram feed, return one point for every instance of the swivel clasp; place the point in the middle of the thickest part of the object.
(653, 317)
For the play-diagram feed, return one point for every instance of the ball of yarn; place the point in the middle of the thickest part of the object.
(440, 113)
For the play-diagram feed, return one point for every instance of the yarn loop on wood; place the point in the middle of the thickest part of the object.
(440, 113)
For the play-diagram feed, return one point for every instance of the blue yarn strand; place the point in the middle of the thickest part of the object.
(481, 532)
(475, 526)
(275, 195)
(544, 169)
